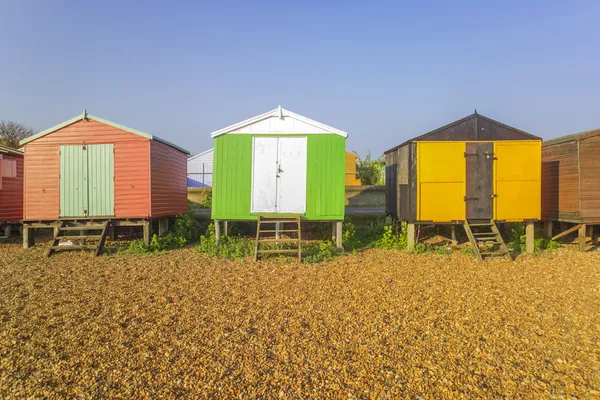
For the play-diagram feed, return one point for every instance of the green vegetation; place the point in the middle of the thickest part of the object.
(516, 238)
(369, 171)
(230, 247)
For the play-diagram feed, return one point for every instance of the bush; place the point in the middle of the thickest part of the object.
(230, 246)
(370, 172)
(349, 240)
(207, 201)
(315, 253)
(391, 239)
(184, 230)
(516, 237)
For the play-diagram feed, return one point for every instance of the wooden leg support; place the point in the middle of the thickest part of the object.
(529, 237)
(217, 232)
(548, 225)
(454, 242)
(163, 226)
(581, 237)
(147, 231)
(7, 230)
(28, 237)
(338, 235)
(410, 234)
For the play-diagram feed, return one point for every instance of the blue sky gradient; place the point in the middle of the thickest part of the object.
(382, 71)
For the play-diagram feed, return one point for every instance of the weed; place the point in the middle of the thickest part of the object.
(315, 253)
(349, 240)
(391, 239)
(229, 247)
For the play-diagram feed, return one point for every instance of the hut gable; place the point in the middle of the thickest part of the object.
(279, 122)
(475, 127)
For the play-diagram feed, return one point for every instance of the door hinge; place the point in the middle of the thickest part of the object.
(471, 154)
(471, 198)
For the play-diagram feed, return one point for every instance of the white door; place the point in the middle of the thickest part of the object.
(279, 175)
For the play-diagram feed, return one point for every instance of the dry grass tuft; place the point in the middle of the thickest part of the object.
(380, 324)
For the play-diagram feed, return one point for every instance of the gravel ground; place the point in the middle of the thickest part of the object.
(379, 324)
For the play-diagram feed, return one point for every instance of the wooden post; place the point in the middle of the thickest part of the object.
(548, 229)
(217, 232)
(338, 235)
(147, 231)
(410, 234)
(7, 230)
(163, 226)
(226, 233)
(582, 237)
(333, 227)
(28, 237)
(55, 230)
(590, 233)
(111, 232)
(529, 237)
(277, 230)
(453, 235)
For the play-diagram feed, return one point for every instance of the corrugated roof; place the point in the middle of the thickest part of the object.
(572, 137)
(10, 150)
(85, 115)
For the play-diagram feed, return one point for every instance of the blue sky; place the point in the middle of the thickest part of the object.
(382, 71)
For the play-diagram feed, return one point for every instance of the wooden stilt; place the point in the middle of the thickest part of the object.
(548, 225)
(581, 237)
(7, 230)
(147, 231)
(217, 232)
(410, 234)
(338, 235)
(277, 230)
(333, 231)
(529, 237)
(28, 237)
(163, 226)
(110, 233)
(226, 230)
(454, 242)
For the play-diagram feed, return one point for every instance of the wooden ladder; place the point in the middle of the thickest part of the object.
(486, 234)
(268, 225)
(80, 234)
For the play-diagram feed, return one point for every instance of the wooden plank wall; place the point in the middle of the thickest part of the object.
(391, 185)
(169, 180)
(560, 181)
(589, 158)
(11, 193)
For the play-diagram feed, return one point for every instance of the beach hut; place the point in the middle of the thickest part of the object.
(11, 188)
(279, 165)
(571, 184)
(351, 177)
(200, 169)
(474, 172)
(90, 175)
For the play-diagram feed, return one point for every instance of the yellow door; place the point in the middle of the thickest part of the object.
(518, 180)
(441, 172)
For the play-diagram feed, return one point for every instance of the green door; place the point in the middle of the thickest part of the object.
(87, 180)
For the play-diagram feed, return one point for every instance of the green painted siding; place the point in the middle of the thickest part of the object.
(101, 180)
(232, 177)
(87, 180)
(73, 181)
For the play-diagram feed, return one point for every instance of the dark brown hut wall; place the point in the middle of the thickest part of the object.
(571, 179)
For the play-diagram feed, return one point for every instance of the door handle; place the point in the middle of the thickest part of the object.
(493, 195)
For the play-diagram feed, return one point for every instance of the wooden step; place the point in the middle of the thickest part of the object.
(82, 228)
(74, 247)
(482, 233)
(71, 237)
(494, 253)
(485, 238)
(480, 225)
(279, 251)
(275, 230)
(269, 240)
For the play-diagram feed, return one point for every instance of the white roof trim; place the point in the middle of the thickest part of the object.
(201, 154)
(277, 113)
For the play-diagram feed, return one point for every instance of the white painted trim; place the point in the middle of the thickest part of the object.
(200, 154)
(278, 112)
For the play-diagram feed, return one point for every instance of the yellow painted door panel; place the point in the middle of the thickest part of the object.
(441, 181)
(518, 180)
(442, 201)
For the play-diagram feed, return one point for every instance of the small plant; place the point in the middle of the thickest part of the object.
(467, 251)
(391, 239)
(230, 246)
(421, 248)
(518, 239)
(441, 250)
(349, 240)
(207, 200)
(184, 230)
(315, 253)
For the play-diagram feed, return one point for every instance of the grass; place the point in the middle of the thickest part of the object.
(375, 324)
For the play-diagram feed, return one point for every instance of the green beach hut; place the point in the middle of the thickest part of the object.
(279, 164)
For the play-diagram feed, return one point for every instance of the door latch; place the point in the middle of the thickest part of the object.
(493, 195)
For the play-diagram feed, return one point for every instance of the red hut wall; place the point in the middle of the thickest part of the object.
(11, 194)
(169, 180)
(132, 169)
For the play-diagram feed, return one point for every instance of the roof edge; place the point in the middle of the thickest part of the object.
(572, 137)
(10, 150)
(200, 154)
(277, 112)
(85, 115)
